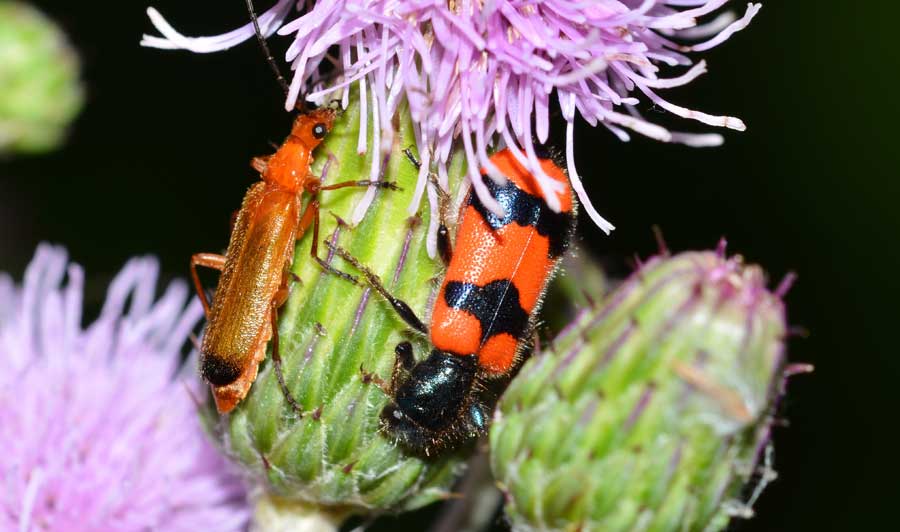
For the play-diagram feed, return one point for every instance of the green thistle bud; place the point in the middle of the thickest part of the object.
(584, 283)
(332, 333)
(41, 93)
(650, 413)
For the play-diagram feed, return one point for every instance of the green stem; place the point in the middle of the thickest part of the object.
(276, 514)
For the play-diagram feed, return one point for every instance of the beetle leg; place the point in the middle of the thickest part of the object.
(445, 249)
(371, 378)
(280, 297)
(206, 260)
(311, 217)
(404, 352)
(412, 157)
(400, 306)
(261, 163)
(362, 183)
(403, 362)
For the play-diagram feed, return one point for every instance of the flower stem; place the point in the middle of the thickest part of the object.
(276, 514)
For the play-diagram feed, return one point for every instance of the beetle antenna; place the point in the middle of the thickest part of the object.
(265, 48)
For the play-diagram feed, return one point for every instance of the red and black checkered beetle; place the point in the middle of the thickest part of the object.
(484, 313)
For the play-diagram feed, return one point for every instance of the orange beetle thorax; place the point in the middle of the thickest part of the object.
(289, 166)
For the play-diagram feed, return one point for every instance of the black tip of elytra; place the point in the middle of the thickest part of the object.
(218, 372)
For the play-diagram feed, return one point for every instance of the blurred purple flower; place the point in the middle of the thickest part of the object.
(98, 431)
(485, 71)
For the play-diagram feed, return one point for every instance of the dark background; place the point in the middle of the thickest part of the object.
(159, 159)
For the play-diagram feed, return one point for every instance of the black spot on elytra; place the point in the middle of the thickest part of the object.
(218, 371)
(496, 305)
(527, 210)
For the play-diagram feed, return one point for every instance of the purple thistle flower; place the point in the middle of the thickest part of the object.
(486, 72)
(99, 432)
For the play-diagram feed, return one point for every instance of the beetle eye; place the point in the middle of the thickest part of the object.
(319, 131)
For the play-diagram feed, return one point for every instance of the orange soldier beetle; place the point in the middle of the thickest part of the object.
(484, 312)
(256, 266)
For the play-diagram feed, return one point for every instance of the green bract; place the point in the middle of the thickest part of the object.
(40, 92)
(649, 412)
(330, 330)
